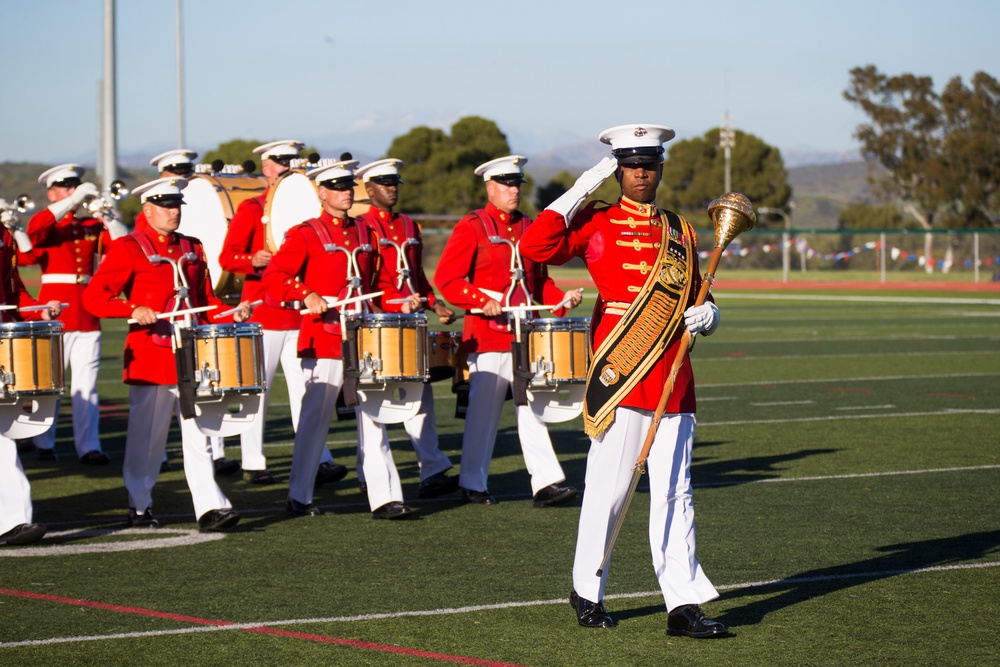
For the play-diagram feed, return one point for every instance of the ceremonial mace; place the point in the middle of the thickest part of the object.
(732, 214)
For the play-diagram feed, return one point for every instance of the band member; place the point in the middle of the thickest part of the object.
(245, 252)
(16, 527)
(398, 232)
(644, 261)
(474, 272)
(67, 244)
(144, 276)
(319, 258)
(177, 163)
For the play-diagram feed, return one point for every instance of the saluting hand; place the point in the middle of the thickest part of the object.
(316, 304)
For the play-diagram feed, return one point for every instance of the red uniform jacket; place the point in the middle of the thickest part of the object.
(140, 222)
(470, 263)
(244, 237)
(302, 266)
(149, 358)
(619, 245)
(67, 248)
(398, 229)
(12, 291)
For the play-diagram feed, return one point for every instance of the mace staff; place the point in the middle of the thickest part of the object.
(732, 214)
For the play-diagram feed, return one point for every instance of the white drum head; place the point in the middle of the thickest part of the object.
(291, 201)
(203, 216)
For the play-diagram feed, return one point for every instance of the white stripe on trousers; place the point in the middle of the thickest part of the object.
(671, 511)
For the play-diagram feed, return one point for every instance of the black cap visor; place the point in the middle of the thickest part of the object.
(167, 201)
(510, 179)
(647, 156)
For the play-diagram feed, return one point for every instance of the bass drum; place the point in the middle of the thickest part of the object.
(293, 200)
(210, 200)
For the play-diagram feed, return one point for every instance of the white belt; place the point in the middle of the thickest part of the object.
(64, 279)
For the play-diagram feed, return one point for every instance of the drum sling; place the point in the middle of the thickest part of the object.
(640, 338)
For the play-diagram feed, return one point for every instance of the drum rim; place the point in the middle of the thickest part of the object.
(41, 325)
(549, 323)
(363, 318)
(245, 327)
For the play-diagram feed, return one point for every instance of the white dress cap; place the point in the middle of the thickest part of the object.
(61, 173)
(387, 168)
(178, 156)
(284, 148)
(336, 172)
(504, 169)
(161, 190)
(637, 143)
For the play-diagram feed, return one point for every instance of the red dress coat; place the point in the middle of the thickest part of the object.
(398, 228)
(69, 247)
(302, 266)
(126, 280)
(619, 243)
(244, 237)
(469, 263)
(12, 291)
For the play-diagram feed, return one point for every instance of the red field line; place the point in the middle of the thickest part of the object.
(325, 639)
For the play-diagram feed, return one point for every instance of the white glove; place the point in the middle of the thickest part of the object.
(116, 228)
(589, 181)
(82, 192)
(703, 319)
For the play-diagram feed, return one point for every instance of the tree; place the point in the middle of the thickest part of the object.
(865, 216)
(439, 171)
(940, 152)
(694, 173)
(238, 151)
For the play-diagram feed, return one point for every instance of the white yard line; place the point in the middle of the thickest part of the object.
(847, 297)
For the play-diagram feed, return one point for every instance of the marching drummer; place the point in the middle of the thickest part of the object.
(67, 244)
(16, 526)
(399, 233)
(475, 273)
(144, 276)
(176, 163)
(316, 261)
(644, 261)
(244, 251)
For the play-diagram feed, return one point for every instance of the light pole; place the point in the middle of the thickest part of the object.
(785, 238)
(727, 139)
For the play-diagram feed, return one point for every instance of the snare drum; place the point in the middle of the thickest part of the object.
(31, 359)
(229, 358)
(558, 350)
(210, 200)
(392, 347)
(442, 354)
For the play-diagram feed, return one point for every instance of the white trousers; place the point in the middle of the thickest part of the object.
(490, 373)
(82, 355)
(423, 436)
(323, 380)
(15, 492)
(671, 511)
(151, 408)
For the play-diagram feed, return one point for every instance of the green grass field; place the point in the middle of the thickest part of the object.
(846, 471)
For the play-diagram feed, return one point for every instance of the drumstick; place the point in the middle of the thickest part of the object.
(512, 309)
(567, 299)
(237, 309)
(28, 309)
(423, 299)
(338, 304)
(176, 313)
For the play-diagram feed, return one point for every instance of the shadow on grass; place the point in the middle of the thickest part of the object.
(738, 471)
(897, 559)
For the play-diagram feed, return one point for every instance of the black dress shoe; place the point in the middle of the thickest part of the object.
(553, 494)
(26, 533)
(259, 477)
(478, 497)
(214, 521)
(690, 621)
(330, 472)
(590, 614)
(391, 511)
(437, 485)
(95, 458)
(144, 520)
(46, 454)
(224, 466)
(302, 509)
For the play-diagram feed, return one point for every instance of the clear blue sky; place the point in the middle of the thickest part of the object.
(548, 73)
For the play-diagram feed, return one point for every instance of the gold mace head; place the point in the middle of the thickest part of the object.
(732, 214)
